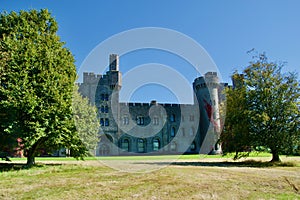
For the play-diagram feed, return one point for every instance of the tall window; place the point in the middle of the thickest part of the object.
(155, 121)
(156, 144)
(104, 97)
(125, 120)
(102, 109)
(172, 132)
(125, 145)
(102, 122)
(106, 122)
(172, 118)
(106, 109)
(141, 145)
(140, 120)
(193, 146)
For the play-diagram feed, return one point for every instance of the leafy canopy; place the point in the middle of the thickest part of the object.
(263, 111)
(37, 75)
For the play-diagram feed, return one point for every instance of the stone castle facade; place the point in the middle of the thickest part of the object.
(154, 128)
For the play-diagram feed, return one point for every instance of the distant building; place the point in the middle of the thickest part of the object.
(154, 128)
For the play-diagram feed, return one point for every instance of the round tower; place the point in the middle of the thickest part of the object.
(207, 93)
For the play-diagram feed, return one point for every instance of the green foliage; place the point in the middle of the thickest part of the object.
(86, 121)
(235, 136)
(37, 75)
(264, 109)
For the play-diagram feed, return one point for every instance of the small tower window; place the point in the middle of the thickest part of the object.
(106, 122)
(172, 118)
(172, 132)
(140, 120)
(155, 121)
(125, 120)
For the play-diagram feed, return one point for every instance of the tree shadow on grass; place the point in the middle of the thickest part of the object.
(248, 163)
(5, 167)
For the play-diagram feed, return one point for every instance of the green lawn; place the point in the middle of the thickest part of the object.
(190, 177)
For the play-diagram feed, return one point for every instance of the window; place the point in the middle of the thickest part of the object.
(106, 122)
(106, 109)
(102, 122)
(125, 145)
(140, 120)
(141, 145)
(172, 132)
(102, 109)
(156, 144)
(172, 118)
(104, 97)
(125, 120)
(155, 121)
(193, 146)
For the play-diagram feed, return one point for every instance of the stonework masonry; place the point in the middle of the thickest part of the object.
(154, 128)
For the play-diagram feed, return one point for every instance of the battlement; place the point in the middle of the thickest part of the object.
(91, 78)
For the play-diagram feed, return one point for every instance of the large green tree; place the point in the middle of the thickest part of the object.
(37, 75)
(235, 135)
(264, 110)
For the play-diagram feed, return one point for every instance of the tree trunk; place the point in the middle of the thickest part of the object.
(275, 156)
(30, 159)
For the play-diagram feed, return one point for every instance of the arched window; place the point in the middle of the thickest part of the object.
(102, 122)
(155, 120)
(140, 120)
(102, 109)
(172, 134)
(125, 120)
(125, 145)
(193, 146)
(141, 145)
(156, 144)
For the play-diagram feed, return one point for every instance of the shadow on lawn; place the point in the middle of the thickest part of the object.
(249, 163)
(4, 167)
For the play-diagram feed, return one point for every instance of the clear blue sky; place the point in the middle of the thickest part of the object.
(226, 29)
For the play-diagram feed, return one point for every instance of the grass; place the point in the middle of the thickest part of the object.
(190, 177)
(152, 157)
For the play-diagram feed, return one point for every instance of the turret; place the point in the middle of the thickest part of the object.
(113, 62)
(207, 92)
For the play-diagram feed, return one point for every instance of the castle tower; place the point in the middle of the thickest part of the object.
(113, 62)
(207, 92)
(107, 102)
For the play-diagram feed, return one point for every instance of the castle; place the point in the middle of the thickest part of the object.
(154, 128)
